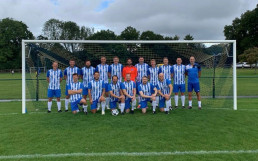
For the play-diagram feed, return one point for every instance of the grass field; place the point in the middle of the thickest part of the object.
(214, 133)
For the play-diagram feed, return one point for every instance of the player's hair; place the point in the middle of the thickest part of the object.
(145, 77)
(75, 74)
(96, 72)
(55, 62)
(129, 59)
(178, 58)
(153, 60)
(141, 57)
(102, 56)
(71, 60)
(114, 76)
(165, 58)
(192, 56)
(87, 60)
(115, 57)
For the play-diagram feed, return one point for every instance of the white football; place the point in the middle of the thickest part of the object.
(115, 112)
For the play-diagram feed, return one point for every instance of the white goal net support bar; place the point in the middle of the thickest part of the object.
(25, 42)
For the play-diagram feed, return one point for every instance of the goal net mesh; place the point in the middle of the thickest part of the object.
(216, 60)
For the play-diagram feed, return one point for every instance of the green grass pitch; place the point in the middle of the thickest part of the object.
(183, 130)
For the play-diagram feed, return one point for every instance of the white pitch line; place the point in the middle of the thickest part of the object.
(202, 152)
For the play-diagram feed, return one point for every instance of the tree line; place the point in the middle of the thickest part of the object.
(244, 30)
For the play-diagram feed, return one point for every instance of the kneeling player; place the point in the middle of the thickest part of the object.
(75, 92)
(147, 93)
(116, 94)
(96, 92)
(165, 89)
(129, 90)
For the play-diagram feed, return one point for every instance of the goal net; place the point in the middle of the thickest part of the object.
(216, 58)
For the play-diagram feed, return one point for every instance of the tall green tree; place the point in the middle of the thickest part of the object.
(188, 37)
(103, 35)
(250, 55)
(130, 33)
(150, 35)
(53, 29)
(11, 34)
(244, 30)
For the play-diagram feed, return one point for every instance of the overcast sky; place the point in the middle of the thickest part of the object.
(204, 19)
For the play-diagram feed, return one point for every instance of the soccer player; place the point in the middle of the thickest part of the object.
(75, 92)
(116, 94)
(178, 74)
(115, 69)
(68, 76)
(129, 90)
(166, 70)
(153, 75)
(87, 76)
(130, 69)
(142, 70)
(96, 92)
(193, 71)
(147, 93)
(54, 78)
(103, 72)
(165, 90)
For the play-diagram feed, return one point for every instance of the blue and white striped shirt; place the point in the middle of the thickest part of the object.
(142, 70)
(164, 86)
(129, 87)
(147, 89)
(116, 69)
(96, 88)
(115, 88)
(166, 70)
(103, 72)
(75, 86)
(179, 73)
(54, 78)
(153, 73)
(68, 72)
(87, 74)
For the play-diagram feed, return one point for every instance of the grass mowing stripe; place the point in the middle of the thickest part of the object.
(202, 152)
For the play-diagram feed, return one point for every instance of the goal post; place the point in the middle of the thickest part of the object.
(177, 47)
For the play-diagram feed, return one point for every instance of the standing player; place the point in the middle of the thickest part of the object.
(103, 72)
(96, 92)
(129, 90)
(75, 92)
(178, 74)
(116, 94)
(166, 70)
(115, 69)
(142, 70)
(68, 76)
(153, 75)
(130, 69)
(54, 78)
(147, 93)
(193, 71)
(87, 76)
(165, 90)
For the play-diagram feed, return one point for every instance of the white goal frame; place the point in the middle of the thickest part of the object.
(24, 42)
